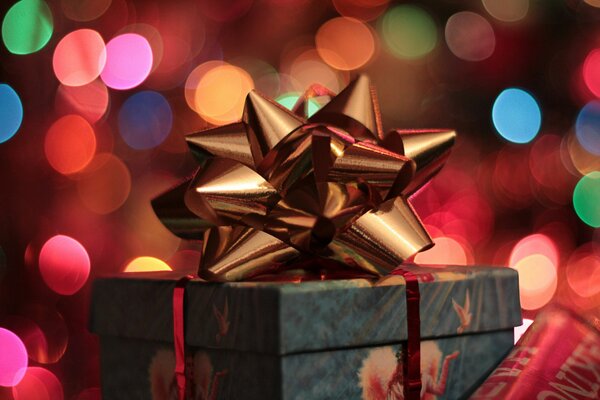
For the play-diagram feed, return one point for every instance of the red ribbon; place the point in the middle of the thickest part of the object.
(411, 356)
(179, 334)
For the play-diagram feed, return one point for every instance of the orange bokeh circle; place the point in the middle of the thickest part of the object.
(105, 184)
(345, 43)
(70, 144)
(221, 93)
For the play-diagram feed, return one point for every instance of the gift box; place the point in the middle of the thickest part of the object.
(317, 209)
(557, 358)
(333, 339)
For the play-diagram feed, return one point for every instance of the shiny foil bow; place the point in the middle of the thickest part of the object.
(330, 190)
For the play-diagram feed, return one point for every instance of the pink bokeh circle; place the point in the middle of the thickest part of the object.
(79, 57)
(64, 264)
(13, 358)
(128, 61)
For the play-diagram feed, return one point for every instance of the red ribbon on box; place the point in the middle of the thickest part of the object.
(179, 334)
(411, 356)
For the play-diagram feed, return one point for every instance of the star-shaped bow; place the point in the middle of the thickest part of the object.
(277, 187)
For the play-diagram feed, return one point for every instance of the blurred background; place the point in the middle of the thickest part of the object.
(96, 97)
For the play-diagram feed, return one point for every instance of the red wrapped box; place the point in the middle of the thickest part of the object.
(558, 358)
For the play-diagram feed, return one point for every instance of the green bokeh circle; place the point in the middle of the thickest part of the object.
(27, 26)
(408, 31)
(586, 199)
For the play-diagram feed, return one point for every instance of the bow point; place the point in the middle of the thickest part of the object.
(353, 109)
(267, 123)
(428, 148)
(227, 141)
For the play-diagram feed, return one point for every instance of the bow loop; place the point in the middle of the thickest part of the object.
(274, 188)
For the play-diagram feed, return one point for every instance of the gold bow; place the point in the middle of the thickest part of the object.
(277, 187)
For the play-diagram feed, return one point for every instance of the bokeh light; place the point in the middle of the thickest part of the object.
(40, 384)
(11, 112)
(266, 78)
(70, 144)
(105, 184)
(145, 120)
(64, 264)
(147, 264)
(516, 115)
(591, 74)
(534, 244)
(221, 92)
(537, 281)
(512, 187)
(547, 169)
(593, 3)
(408, 31)
(586, 199)
(13, 358)
(175, 62)
(154, 38)
(29, 332)
(463, 215)
(470, 36)
(576, 158)
(91, 101)
(507, 10)
(84, 10)
(79, 57)
(306, 67)
(583, 271)
(128, 61)
(345, 43)
(27, 26)
(446, 251)
(193, 80)
(289, 100)
(560, 226)
(43, 331)
(587, 127)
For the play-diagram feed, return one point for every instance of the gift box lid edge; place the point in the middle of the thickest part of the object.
(287, 292)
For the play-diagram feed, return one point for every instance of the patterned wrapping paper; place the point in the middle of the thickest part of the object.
(305, 340)
(452, 368)
(280, 318)
(558, 358)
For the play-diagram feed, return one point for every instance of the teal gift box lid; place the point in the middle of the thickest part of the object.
(284, 318)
